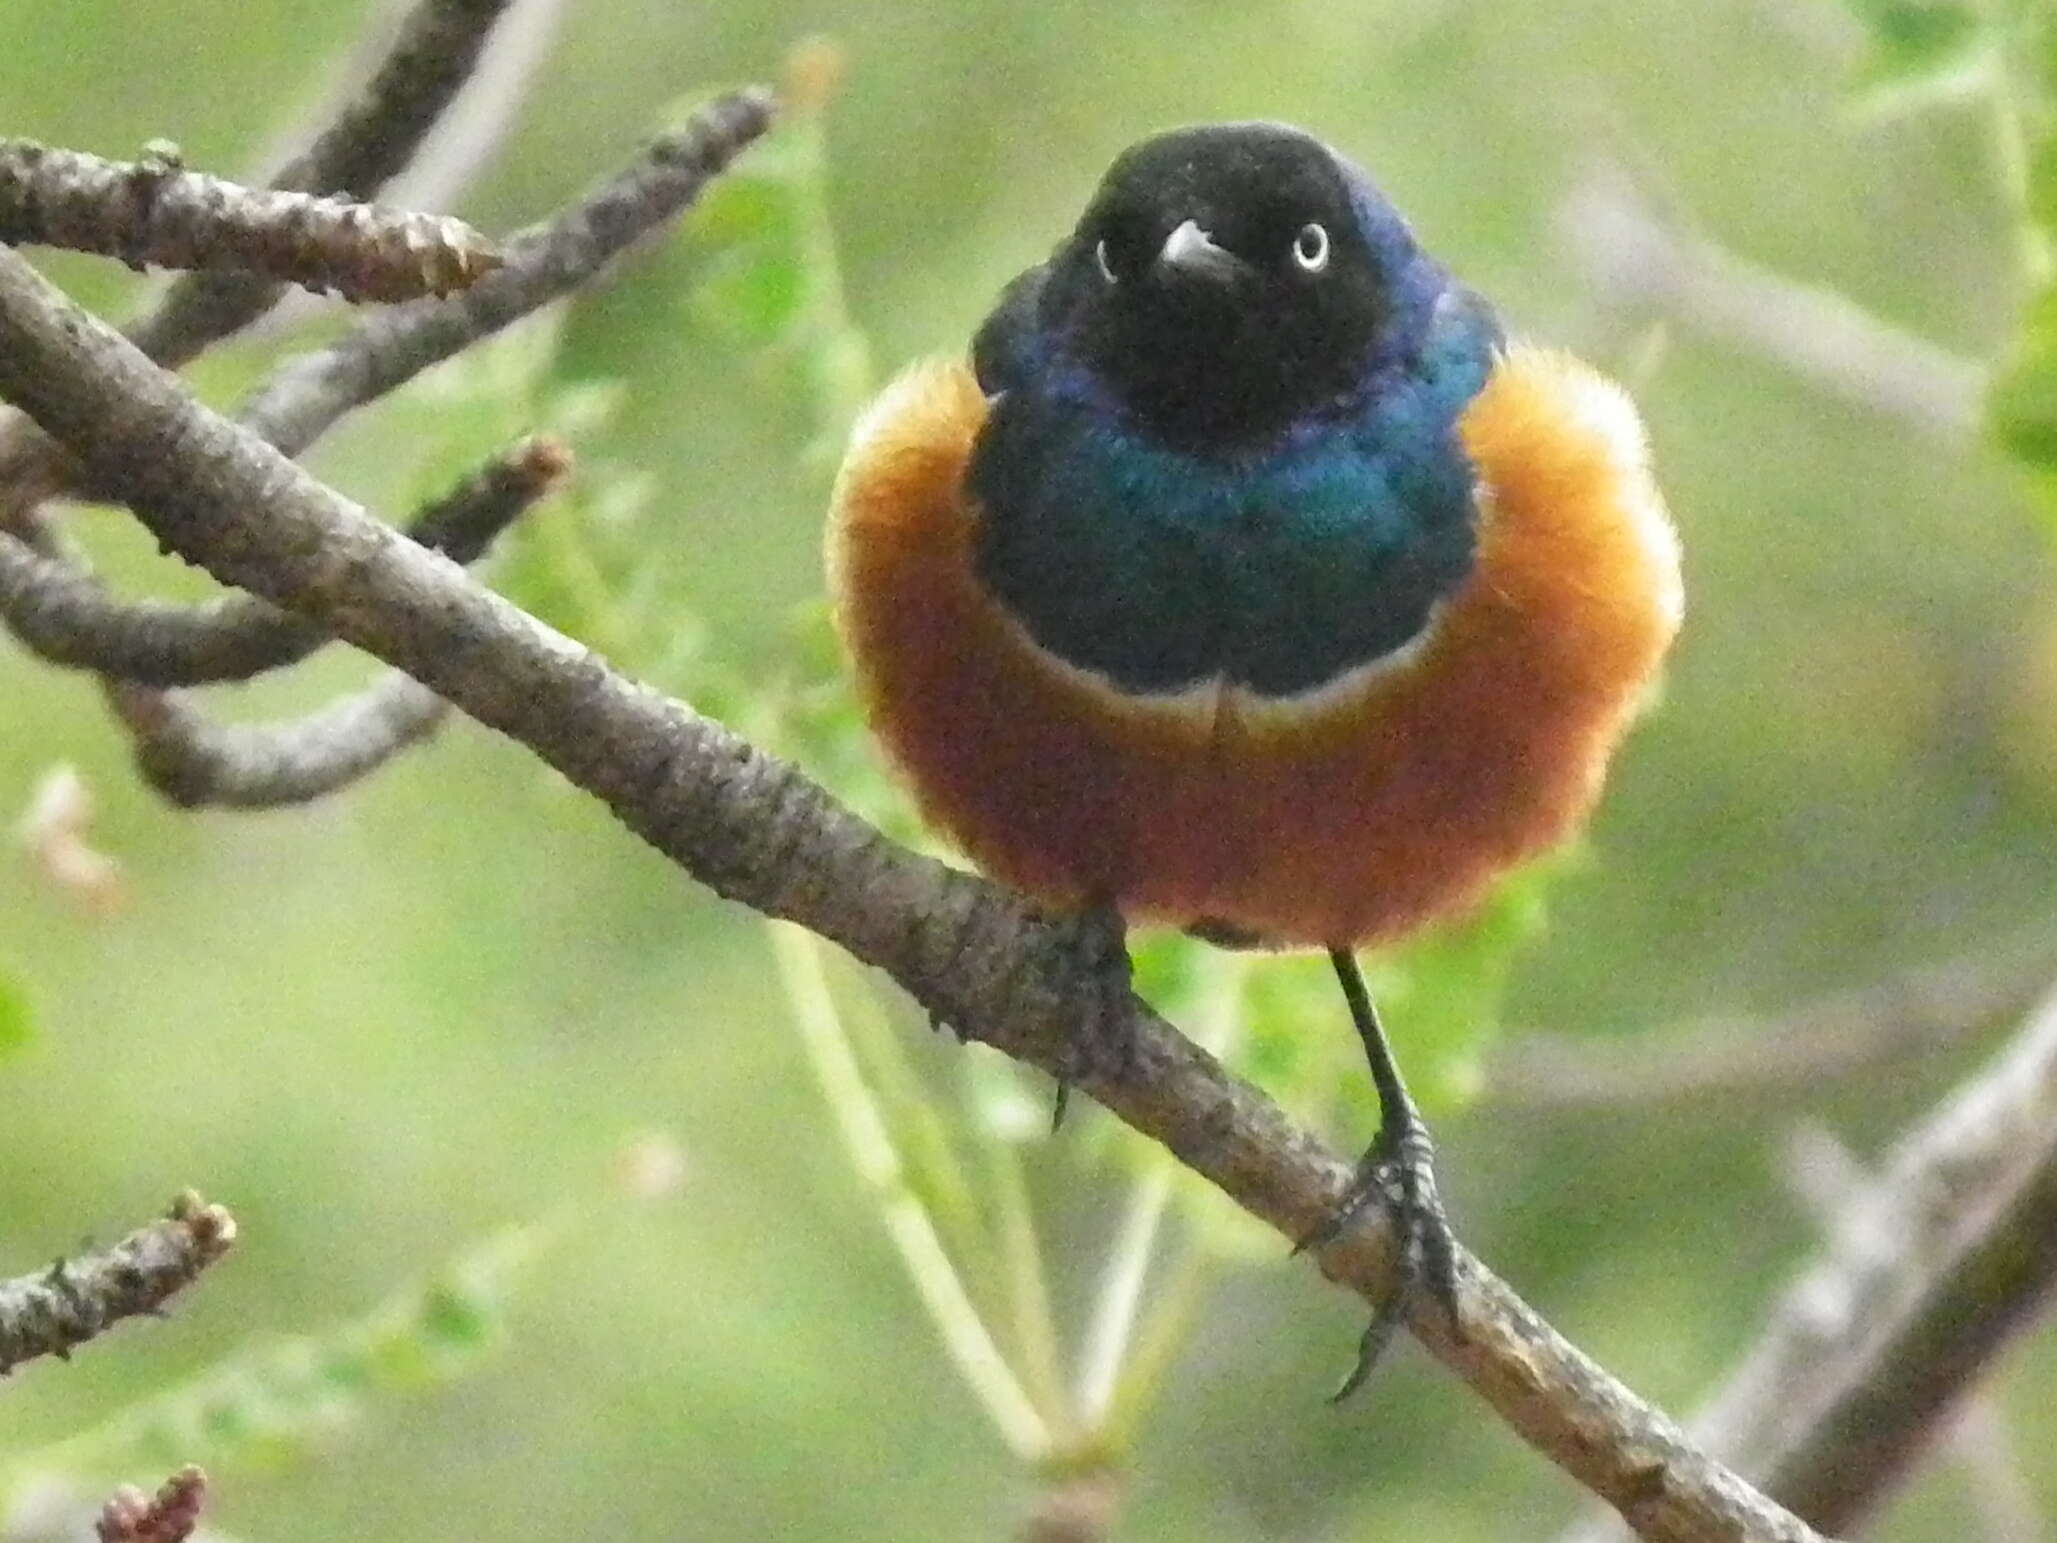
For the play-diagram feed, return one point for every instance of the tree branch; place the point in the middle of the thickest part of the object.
(1942, 1263)
(1941, 1258)
(1634, 257)
(154, 212)
(55, 1310)
(1829, 1178)
(130, 1516)
(471, 132)
(1915, 1013)
(63, 613)
(196, 762)
(370, 140)
(757, 831)
(543, 262)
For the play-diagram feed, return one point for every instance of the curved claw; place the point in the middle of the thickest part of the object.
(1385, 1318)
(1399, 1171)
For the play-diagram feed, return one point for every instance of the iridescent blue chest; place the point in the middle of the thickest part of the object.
(1275, 567)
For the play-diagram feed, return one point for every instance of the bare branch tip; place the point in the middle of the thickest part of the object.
(212, 1227)
(55, 1310)
(129, 1516)
(718, 131)
(152, 211)
(543, 459)
(813, 72)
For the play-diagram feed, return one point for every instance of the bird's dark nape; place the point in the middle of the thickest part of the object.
(1005, 346)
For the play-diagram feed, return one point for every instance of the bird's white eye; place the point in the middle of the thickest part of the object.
(1310, 248)
(1106, 267)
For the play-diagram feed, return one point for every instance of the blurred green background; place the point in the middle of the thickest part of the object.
(452, 999)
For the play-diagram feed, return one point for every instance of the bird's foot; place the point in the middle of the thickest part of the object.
(1398, 1172)
(1087, 957)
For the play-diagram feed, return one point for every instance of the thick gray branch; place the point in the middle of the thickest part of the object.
(66, 615)
(55, 1310)
(757, 831)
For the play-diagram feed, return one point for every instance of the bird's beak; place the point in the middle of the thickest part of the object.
(1191, 253)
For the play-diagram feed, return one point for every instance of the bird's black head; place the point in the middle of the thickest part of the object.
(1228, 279)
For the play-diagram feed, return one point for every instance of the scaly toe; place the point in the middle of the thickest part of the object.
(1087, 955)
(1399, 1171)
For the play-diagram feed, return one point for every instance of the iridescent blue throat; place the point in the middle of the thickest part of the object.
(1274, 567)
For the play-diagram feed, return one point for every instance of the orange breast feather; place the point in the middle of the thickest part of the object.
(1348, 814)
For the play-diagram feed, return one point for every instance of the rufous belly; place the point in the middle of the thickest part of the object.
(1350, 814)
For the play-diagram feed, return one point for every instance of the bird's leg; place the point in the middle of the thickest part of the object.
(1399, 1171)
(1090, 947)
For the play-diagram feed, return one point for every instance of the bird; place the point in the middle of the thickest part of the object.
(1248, 578)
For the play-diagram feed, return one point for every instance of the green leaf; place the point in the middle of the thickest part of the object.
(2021, 406)
(16, 1027)
(1912, 40)
(756, 283)
(767, 276)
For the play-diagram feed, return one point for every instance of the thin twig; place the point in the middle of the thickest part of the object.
(1633, 257)
(66, 615)
(154, 213)
(543, 262)
(1110, 1335)
(371, 137)
(756, 830)
(56, 1310)
(464, 142)
(196, 762)
(370, 140)
(1028, 1288)
(964, 1334)
(1789, 1055)
(169, 1516)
